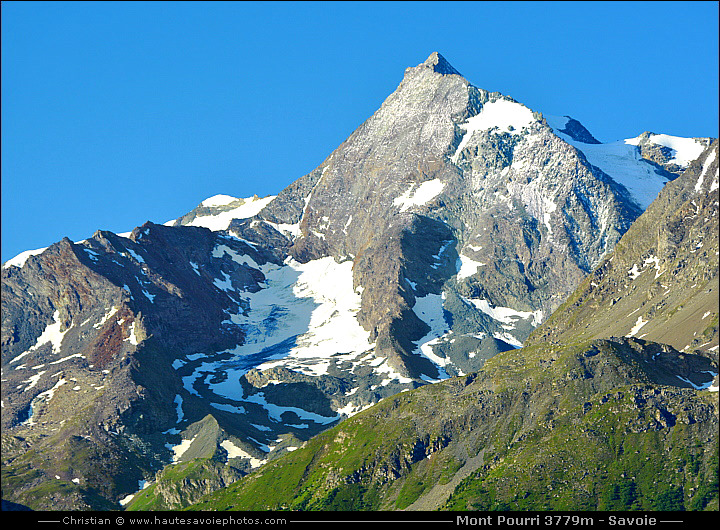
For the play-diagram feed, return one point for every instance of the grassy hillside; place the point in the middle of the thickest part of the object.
(580, 427)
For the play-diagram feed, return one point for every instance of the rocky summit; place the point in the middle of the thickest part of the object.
(440, 234)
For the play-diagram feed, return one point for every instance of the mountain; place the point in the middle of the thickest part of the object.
(443, 231)
(661, 280)
(568, 422)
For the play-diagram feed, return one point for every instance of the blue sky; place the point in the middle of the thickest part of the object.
(118, 113)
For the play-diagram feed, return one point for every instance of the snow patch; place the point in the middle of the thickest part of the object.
(706, 166)
(20, 259)
(179, 450)
(79, 355)
(242, 259)
(142, 484)
(224, 284)
(221, 221)
(505, 115)
(426, 192)
(233, 451)
(51, 334)
(350, 410)
(275, 412)
(149, 296)
(506, 315)
(42, 397)
(228, 408)
(106, 317)
(429, 309)
(135, 255)
(285, 228)
(638, 325)
(466, 267)
(704, 386)
(685, 150)
(178, 407)
(132, 338)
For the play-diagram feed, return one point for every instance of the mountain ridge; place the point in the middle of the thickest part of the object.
(557, 425)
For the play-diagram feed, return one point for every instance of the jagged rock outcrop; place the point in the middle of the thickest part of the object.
(661, 281)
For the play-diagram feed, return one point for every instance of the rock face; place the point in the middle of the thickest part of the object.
(661, 281)
(440, 233)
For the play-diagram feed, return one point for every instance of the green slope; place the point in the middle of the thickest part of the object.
(538, 428)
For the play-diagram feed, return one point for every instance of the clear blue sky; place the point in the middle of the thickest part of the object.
(118, 113)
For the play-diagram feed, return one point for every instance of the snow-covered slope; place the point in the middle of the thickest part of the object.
(622, 161)
(20, 259)
(218, 211)
(684, 150)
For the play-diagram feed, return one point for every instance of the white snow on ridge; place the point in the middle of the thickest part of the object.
(424, 193)
(620, 160)
(685, 149)
(218, 200)
(217, 222)
(507, 116)
(20, 259)
(221, 221)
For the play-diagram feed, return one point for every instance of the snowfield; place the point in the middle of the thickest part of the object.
(221, 221)
(685, 149)
(507, 116)
(622, 162)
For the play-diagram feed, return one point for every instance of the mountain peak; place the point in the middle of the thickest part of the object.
(439, 64)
